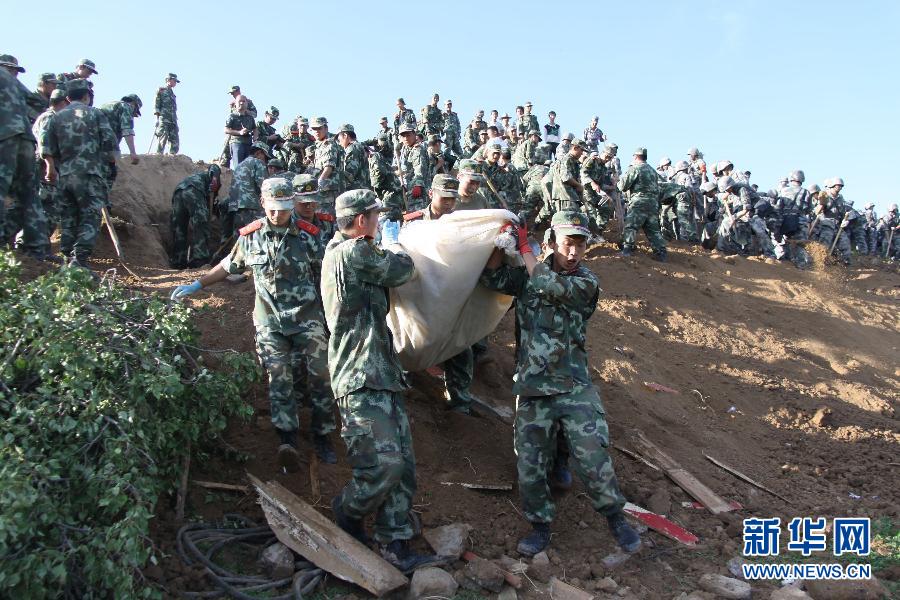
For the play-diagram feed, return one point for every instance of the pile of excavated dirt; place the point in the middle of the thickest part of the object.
(790, 377)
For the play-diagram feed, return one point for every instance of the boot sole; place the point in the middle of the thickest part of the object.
(288, 458)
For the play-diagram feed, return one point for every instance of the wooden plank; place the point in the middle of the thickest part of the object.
(683, 478)
(636, 457)
(500, 487)
(662, 525)
(305, 530)
(228, 487)
(740, 475)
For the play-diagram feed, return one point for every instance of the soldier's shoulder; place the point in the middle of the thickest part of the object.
(252, 227)
(304, 225)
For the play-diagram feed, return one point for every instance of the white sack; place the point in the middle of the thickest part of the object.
(443, 310)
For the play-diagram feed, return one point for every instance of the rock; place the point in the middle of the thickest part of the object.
(822, 418)
(278, 561)
(539, 568)
(449, 540)
(607, 584)
(734, 566)
(696, 595)
(508, 593)
(726, 587)
(789, 593)
(660, 501)
(465, 583)
(864, 589)
(615, 560)
(560, 590)
(582, 525)
(598, 571)
(486, 574)
(432, 581)
(582, 571)
(511, 565)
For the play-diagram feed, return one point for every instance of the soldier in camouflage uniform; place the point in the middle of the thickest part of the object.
(566, 188)
(527, 122)
(414, 168)
(166, 110)
(432, 118)
(299, 139)
(888, 229)
(472, 195)
(536, 195)
(367, 378)
(355, 175)
(190, 215)
(664, 169)
(685, 209)
(452, 129)
(265, 130)
(240, 127)
(525, 152)
(291, 337)
(306, 203)
(47, 192)
(328, 165)
(385, 181)
(243, 205)
(697, 169)
(554, 299)
(83, 70)
(597, 203)
(871, 225)
(386, 134)
(500, 186)
(641, 186)
(76, 144)
(593, 135)
(856, 228)
(121, 116)
(472, 138)
(832, 210)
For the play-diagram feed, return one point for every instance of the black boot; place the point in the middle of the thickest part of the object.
(536, 541)
(324, 449)
(288, 457)
(625, 535)
(662, 255)
(626, 251)
(354, 527)
(399, 554)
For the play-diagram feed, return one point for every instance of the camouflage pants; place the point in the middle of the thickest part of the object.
(581, 416)
(684, 209)
(762, 239)
(25, 214)
(858, 238)
(598, 208)
(82, 197)
(167, 132)
(190, 214)
(643, 214)
(458, 374)
(379, 449)
(872, 240)
(295, 362)
(452, 142)
(668, 224)
(825, 232)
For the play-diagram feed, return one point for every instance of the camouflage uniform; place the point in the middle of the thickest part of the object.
(356, 167)
(294, 147)
(668, 217)
(407, 116)
(244, 195)
(527, 123)
(368, 381)
(387, 185)
(856, 229)
(832, 215)
(190, 213)
(120, 116)
(592, 137)
(507, 184)
(452, 132)
(471, 141)
(291, 338)
(80, 139)
(563, 195)
(554, 386)
(17, 170)
(598, 207)
(889, 245)
(415, 169)
(167, 120)
(46, 191)
(641, 185)
(535, 192)
(432, 121)
(685, 206)
(871, 228)
(329, 154)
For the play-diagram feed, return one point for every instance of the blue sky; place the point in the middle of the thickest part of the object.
(772, 86)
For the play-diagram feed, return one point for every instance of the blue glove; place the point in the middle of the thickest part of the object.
(186, 290)
(390, 233)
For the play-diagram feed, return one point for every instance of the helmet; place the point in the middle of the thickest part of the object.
(835, 181)
(814, 188)
(681, 165)
(797, 176)
(725, 183)
(869, 206)
(723, 164)
(893, 208)
(693, 152)
(708, 187)
(665, 161)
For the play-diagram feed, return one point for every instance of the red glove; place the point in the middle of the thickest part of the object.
(522, 237)
(417, 192)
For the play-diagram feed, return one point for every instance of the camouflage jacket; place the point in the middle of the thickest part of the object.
(315, 235)
(165, 106)
(120, 119)
(564, 169)
(36, 102)
(382, 175)
(246, 184)
(356, 276)
(470, 139)
(592, 171)
(432, 119)
(697, 171)
(414, 166)
(13, 108)
(641, 183)
(356, 167)
(80, 139)
(507, 183)
(552, 310)
(263, 131)
(286, 292)
(330, 154)
(198, 182)
(477, 201)
(592, 136)
(40, 126)
(526, 124)
(451, 124)
(407, 116)
(295, 146)
(794, 199)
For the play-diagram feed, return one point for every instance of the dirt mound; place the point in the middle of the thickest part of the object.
(142, 204)
(757, 352)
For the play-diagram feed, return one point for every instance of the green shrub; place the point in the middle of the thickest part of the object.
(99, 397)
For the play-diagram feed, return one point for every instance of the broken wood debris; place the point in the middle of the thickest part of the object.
(656, 387)
(505, 487)
(636, 457)
(228, 487)
(684, 479)
(662, 525)
(743, 477)
(306, 531)
(698, 506)
(560, 590)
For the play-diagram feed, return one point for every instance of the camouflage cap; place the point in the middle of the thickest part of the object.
(722, 165)
(434, 139)
(406, 128)
(49, 78)
(529, 103)
(569, 136)
(869, 206)
(401, 101)
(261, 146)
(579, 143)
(277, 194)
(357, 202)
(495, 147)
(798, 175)
(346, 128)
(835, 181)
(640, 151)
(277, 163)
(302, 121)
(613, 148)
(10, 61)
(471, 169)
(136, 100)
(306, 188)
(57, 95)
(570, 222)
(892, 208)
(665, 161)
(77, 85)
(273, 111)
(535, 132)
(318, 122)
(446, 186)
(235, 89)
(173, 76)
(86, 62)
(383, 120)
